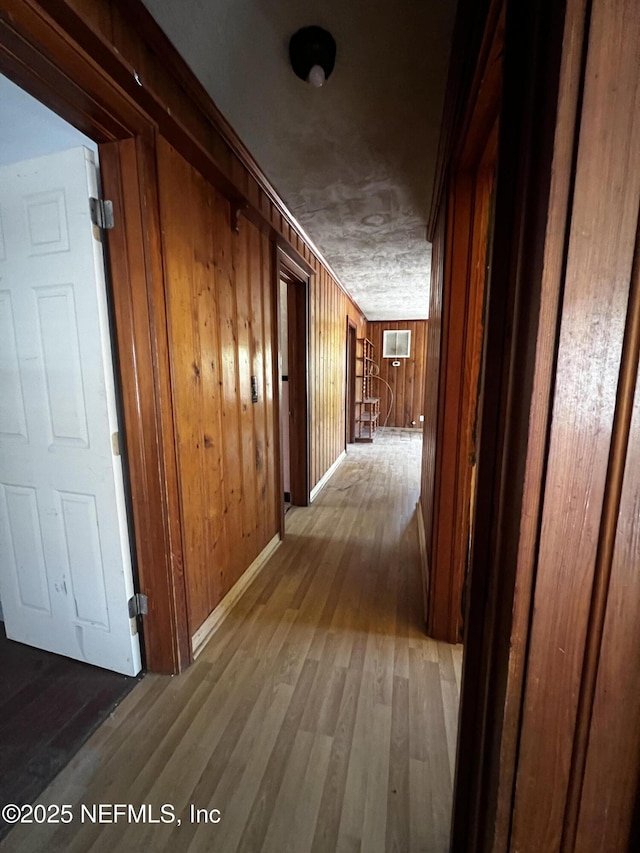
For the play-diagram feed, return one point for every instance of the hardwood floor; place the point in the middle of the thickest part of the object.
(318, 718)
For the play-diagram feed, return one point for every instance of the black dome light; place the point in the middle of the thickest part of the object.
(312, 52)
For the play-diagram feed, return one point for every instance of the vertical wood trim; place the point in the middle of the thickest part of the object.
(470, 399)
(352, 333)
(459, 232)
(276, 364)
(424, 559)
(137, 284)
(243, 248)
(469, 191)
(298, 287)
(447, 557)
(146, 151)
(271, 372)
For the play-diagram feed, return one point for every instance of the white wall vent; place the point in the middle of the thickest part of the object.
(396, 344)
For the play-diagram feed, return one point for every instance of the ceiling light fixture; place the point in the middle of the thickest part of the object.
(312, 52)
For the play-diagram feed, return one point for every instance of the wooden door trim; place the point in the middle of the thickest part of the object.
(138, 294)
(509, 718)
(350, 373)
(276, 314)
(527, 262)
(467, 204)
(293, 261)
(474, 19)
(299, 441)
(41, 57)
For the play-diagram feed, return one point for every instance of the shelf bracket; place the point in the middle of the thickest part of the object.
(237, 208)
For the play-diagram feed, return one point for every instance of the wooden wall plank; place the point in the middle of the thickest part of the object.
(270, 446)
(257, 288)
(459, 335)
(205, 305)
(611, 776)
(321, 377)
(328, 312)
(244, 263)
(596, 290)
(511, 440)
(550, 293)
(138, 303)
(178, 236)
(232, 395)
(323, 373)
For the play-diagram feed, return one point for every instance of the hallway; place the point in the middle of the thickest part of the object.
(318, 718)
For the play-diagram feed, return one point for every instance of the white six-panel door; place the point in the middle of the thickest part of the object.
(65, 567)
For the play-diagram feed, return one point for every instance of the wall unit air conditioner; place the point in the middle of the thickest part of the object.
(396, 344)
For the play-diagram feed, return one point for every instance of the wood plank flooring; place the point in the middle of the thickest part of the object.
(319, 718)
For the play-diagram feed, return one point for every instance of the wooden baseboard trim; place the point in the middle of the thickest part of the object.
(221, 611)
(424, 560)
(327, 476)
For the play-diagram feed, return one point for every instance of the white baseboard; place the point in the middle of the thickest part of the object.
(221, 611)
(327, 476)
(424, 560)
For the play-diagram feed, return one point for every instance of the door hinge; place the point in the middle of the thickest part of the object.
(138, 605)
(115, 443)
(101, 212)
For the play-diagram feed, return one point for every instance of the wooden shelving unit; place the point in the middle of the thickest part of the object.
(367, 406)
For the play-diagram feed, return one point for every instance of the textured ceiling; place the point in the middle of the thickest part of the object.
(354, 161)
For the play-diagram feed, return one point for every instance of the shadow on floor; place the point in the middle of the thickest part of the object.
(49, 706)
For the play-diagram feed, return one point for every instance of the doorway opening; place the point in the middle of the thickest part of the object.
(294, 397)
(350, 396)
(66, 574)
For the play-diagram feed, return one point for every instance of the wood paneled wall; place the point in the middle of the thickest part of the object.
(407, 381)
(328, 312)
(106, 66)
(220, 315)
